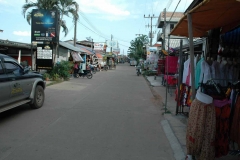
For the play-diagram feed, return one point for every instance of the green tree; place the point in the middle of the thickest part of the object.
(136, 50)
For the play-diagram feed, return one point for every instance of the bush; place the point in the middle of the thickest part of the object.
(46, 76)
(61, 70)
(149, 73)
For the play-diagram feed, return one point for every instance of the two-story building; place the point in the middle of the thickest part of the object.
(166, 22)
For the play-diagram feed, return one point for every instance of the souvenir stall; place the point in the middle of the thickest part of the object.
(213, 128)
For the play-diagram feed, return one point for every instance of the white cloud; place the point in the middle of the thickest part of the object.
(22, 33)
(105, 8)
(3, 2)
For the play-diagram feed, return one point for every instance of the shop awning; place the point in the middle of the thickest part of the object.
(76, 57)
(98, 55)
(208, 15)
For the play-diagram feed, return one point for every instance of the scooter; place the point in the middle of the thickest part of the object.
(92, 67)
(86, 73)
(139, 71)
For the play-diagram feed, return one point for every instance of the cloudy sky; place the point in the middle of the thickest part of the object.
(99, 19)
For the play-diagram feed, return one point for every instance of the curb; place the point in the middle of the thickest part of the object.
(175, 145)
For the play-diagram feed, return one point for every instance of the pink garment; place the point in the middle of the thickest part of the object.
(76, 66)
(221, 103)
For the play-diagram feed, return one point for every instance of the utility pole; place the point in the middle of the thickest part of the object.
(164, 30)
(91, 43)
(111, 43)
(151, 33)
(75, 32)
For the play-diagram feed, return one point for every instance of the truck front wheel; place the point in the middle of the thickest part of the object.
(38, 97)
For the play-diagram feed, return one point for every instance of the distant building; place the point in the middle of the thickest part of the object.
(170, 20)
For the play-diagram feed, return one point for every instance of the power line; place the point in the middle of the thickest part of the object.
(100, 35)
(174, 11)
(169, 4)
(93, 27)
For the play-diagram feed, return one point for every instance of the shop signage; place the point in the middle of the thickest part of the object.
(116, 50)
(99, 46)
(44, 25)
(44, 56)
(112, 44)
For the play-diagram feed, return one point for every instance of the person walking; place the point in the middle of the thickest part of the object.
(76, 68)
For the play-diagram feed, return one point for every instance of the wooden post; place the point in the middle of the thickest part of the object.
(190, 35)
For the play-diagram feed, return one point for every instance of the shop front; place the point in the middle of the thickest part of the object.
(209, 82)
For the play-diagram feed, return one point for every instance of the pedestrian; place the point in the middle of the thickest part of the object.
(76, 68)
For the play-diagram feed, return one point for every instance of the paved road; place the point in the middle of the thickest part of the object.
(109, 117)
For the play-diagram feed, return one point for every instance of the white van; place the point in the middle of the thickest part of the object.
(133, 62)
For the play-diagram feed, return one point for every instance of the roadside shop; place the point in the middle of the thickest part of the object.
(216, 71)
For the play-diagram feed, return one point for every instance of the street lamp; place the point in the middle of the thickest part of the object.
(91, 40)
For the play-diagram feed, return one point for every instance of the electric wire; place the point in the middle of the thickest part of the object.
(174, 11)
(94, 28)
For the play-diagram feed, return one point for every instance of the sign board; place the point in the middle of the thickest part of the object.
(116, 50)
(99, 46)
(44, 25)
(112, 44)
(44, 56)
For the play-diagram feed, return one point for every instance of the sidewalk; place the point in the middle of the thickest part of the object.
(174, 125)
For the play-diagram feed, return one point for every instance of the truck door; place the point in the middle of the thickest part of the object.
(4, 87)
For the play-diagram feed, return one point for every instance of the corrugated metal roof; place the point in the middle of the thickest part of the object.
(84, 49)
(71, 47)
(8, 43)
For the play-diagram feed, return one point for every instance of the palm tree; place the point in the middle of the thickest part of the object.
(69, 6)
(63, 6)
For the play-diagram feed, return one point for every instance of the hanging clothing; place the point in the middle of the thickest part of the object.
(229, 73)
(233, 97)
(188, 79)
(235, 127)
(223, 75)
(208, 71)
(201, 130)
(216, 66)
(186, 71)
(198, 72)
(222, 109)
(235, 73)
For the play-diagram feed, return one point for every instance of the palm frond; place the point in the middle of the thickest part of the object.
(64, 26)
(29, 17)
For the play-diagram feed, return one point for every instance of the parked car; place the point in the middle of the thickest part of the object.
(133, 62)
(19, 85)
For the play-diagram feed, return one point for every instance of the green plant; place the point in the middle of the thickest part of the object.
(46, 76)
(62, 69)
(55, 77)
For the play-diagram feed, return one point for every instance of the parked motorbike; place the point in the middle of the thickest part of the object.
(86, 73)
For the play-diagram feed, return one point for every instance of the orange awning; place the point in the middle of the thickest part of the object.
(210, 14)
(98, 55)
